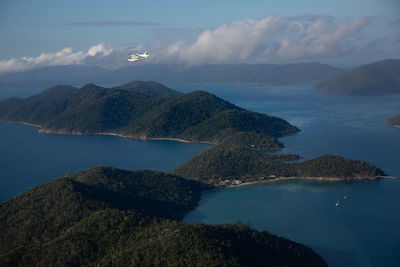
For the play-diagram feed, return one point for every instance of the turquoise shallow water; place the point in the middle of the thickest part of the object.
(363, 231)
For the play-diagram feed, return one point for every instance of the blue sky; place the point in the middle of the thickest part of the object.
(249, 31)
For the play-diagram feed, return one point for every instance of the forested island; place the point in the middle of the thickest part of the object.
(144, 110)
(106, 216)
(223, 166)
(394, 121)
(149, 110)
(379, 78)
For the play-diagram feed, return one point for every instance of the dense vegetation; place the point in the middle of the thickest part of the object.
(87, 110)
(222, 166)
(50, 208)
(394, 120)
(220, 163)
(141, 110)
(105, 216)
(379, 78)
(227, 73)
(335, 166)
(250, 140)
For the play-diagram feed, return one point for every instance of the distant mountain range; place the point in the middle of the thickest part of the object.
(379, 78)
(237, 74)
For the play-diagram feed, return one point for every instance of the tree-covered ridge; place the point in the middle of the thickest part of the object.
(221, 165)
(394, 120)
(125, 238)
(175, 118)
(141, 110)
(379, 78)
(87, 110)
(250, 139)
(51, 208)
(335, 166)
(149, 88)
(107, 217)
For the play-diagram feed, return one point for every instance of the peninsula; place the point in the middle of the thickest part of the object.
(223, 167)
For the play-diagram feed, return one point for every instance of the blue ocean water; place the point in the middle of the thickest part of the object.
(363, 231)
(28, 158)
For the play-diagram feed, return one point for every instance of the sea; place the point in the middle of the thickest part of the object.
(364, 230)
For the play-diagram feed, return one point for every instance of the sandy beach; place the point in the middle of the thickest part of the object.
(328, 179)
(138, 137)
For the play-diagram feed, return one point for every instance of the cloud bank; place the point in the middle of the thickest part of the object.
(272, 39)
(98, 55)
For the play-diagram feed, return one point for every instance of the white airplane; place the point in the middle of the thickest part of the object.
(138, 57)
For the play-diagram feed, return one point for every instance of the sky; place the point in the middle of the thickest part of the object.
(103, 33)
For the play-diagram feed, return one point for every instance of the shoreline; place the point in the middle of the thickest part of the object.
(217, 186)
(140, 137)
(322, 179)
(155, 138)
(392, 124)
(22, 123)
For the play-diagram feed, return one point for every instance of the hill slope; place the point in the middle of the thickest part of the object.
(379, 78)
(140, 110)
(222, 166)
(51, 208)
(105, 216)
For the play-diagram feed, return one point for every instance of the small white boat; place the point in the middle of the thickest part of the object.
(337, 203)
(344, 197)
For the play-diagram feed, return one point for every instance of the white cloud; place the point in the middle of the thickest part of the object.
(318, 39)
(269, 39)
(99, 55)
(99, 49)
(65, 56)
(273, 39)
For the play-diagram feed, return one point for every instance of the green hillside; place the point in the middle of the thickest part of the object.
(221, 165)
(58, 204)
(141, 110)
(105, 216)
(379, 78)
